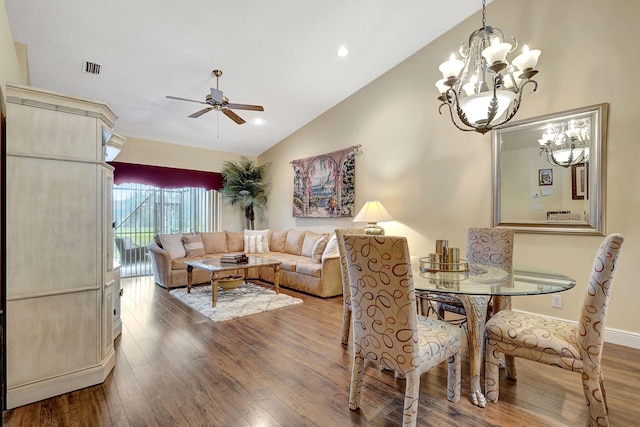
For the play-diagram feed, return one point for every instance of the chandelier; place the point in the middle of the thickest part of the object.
(483, 91)
(567, 143)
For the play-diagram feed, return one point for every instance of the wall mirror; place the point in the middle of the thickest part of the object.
(549, 172)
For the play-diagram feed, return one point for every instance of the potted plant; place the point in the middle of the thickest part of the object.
(242, 182)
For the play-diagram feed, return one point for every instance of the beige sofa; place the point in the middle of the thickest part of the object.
(310, 261)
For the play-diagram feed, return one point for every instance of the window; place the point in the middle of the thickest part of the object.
(142, 211)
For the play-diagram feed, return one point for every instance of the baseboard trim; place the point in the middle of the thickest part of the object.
(611, 335)
(40, 390)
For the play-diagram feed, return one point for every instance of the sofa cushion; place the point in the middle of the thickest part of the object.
(319, 247)
(215, 243)
(277, 241)
(331, 250)
(255, 244)
(309, 269)
(235, 241)
(310, 239)
(264, 234)
(193, 245)
(178, 263)
(172, 243)
(293, 244)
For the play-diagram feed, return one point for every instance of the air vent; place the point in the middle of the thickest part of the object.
(91, 67)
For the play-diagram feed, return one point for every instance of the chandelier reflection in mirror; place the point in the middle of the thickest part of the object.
(567, 143)
(483, 91)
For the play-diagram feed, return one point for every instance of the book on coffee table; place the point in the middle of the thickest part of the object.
(234, 258)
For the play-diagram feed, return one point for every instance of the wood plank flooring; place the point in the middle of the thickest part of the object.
(174, 367)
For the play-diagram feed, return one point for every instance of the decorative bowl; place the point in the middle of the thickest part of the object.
(230, 282)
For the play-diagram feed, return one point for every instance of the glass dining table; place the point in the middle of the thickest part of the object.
(474, 288)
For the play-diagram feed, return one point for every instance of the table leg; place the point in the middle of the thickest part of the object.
(214, 288)
(189, 278)
(476, 310)
(276, 278)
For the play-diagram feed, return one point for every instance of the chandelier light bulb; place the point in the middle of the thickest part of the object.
(497, 52)
(451, 68)
(442, 88)
(527, 60)
(470, 88)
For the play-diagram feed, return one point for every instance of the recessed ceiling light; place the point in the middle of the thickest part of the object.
(258, 121)
(343, 51)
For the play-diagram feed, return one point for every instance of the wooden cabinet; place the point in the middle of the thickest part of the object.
(61, 288)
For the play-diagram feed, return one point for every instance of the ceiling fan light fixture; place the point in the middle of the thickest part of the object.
(342, 51)
(218, 102)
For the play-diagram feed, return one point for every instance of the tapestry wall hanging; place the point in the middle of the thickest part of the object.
(324, 185)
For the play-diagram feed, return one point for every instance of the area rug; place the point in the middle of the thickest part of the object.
(246, 300)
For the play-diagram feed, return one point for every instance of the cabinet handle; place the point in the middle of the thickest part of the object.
(121, 292)
(114, 312)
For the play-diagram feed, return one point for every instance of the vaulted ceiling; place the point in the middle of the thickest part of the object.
(280, 54)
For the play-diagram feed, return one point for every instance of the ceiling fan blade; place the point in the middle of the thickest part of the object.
(216, 95)
(201, 112)
(185, 99)
(233, 116)
(245, 107)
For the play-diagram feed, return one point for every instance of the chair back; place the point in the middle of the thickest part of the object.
(491, 246)
(340, 232)
(383, 301)
(590, 332)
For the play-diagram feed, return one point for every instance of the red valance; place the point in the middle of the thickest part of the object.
(163, 177)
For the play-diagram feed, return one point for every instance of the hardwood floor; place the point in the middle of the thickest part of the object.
(174, 367)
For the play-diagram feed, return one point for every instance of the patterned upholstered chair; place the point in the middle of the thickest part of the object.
(576, 348)
(386, 326)
(488, 246)
(346, 293)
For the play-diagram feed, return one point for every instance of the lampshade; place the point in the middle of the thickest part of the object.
(371, 213)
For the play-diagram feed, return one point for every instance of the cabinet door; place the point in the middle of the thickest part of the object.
(107, 215)
(117, 301)
(107, 319)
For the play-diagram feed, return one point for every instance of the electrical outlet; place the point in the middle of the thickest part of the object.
(556, 301)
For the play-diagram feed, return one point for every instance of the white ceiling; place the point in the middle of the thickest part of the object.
(277, 53)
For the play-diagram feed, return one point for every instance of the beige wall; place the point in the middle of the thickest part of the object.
(436, 180)
(156, 153)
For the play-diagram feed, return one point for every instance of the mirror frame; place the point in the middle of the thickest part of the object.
(597, 174)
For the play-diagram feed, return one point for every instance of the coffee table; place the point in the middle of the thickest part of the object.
(215, 266)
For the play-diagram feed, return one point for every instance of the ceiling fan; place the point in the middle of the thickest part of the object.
(217, 101)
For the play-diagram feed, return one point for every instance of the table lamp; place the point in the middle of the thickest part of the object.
(371, 213)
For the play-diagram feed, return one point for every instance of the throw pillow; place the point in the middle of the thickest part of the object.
(277, 240)
(310, 239)
(318, 248)
(215, 243)
(235, 241)
(193, 245)
(265, 234)
(331, 250)
(293, 244)
(254, 244)
(172, 243)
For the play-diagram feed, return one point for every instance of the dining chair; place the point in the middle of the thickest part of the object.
(386, 326)
(346, 293)
(575, 347)
(487, 246)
